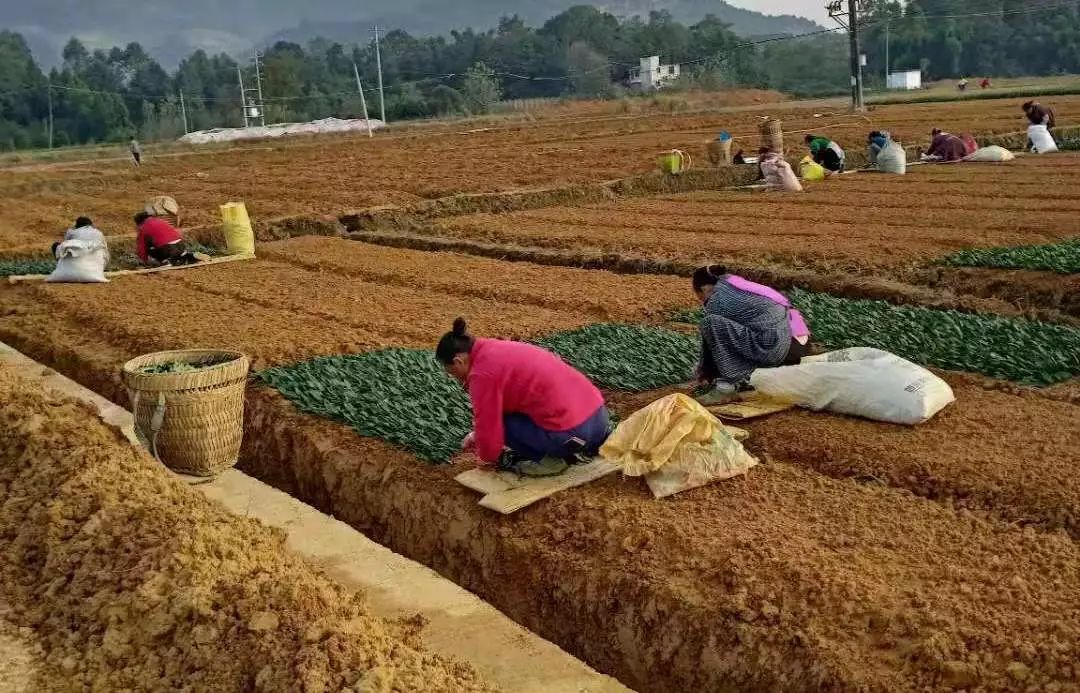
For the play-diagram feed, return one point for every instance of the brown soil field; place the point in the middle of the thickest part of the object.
(334, 175)
(328, 303)
(863, 222)
(130, 580)
(601, 295)
(821, 570)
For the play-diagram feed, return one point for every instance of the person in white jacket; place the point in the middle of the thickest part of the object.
(82, 230)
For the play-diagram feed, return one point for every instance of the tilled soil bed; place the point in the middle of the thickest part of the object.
(132, 581)
(330, 175)
(786, 579)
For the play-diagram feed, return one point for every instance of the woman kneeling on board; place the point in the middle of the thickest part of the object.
(532, 413)
(745, 326)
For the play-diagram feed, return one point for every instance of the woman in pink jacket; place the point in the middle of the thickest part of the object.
(532, 413)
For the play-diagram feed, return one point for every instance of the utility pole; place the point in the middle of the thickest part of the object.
(258, 83)
(378, 65)
(243, 98)
(48, 91)
(856, 67)
(851, 23)
(886, 53)
(183, 111)
(363, 101)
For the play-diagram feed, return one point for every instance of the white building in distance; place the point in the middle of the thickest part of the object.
(652, 75)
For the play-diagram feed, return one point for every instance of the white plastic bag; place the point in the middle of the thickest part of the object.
(80, 261)
(1042, 142)
(993, 153)
(892, 159)
(779, 175)
(859, 381)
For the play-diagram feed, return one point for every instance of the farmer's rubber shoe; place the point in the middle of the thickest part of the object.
(549, 466)
(719, 393)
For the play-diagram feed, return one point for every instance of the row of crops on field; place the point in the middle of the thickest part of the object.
(405, 397)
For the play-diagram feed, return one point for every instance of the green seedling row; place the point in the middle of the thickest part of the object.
(10, 268)
(1024, 351)
(627, 357)
(399, 395)
(403, 396)
(1063, 258)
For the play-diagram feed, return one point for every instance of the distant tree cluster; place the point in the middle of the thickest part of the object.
(951, 38)
(103, 96)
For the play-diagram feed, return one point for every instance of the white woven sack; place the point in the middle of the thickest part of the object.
(993, 153)
(1042, 142)
(80, 262)
(860, 381)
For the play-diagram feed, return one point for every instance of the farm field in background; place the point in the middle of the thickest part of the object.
(333, 175)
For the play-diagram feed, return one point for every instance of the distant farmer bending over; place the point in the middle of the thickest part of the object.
(158, 240)
(945, 146)
(1037, 114)
(826, 153)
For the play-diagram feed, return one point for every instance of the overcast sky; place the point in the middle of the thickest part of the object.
(811, 9)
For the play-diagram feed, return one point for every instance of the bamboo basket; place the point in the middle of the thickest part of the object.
(772, 135)
(192, 422)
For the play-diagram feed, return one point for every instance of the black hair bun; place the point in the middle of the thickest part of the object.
(459, 327)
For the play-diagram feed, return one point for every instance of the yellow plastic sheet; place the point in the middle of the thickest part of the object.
(677, 445)
(239, 236)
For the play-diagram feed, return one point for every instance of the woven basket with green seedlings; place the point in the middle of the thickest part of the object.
(399, 395)
(1063, 258)
(1025, 351)
(627, 357)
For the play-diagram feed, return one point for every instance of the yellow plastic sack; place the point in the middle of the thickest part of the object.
(239, 237)
(810, 169)
(677, 445)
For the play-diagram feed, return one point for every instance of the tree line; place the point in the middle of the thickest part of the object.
(109, 95)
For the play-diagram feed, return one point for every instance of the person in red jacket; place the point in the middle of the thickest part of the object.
(532, 412)
(158, 240)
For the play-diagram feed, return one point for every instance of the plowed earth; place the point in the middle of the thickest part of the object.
(861, 222)
(130, 580)
(332, 175)
(788, 579)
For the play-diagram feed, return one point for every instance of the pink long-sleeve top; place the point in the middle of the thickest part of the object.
(518, 378)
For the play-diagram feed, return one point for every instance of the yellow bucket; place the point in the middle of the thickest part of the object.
(674, 162)
(239, 237)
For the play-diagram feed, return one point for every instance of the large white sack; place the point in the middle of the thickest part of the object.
(1042, 141)
(860, 381)
(892, 159)
(992, 153)
(779, 175)
(80, 261)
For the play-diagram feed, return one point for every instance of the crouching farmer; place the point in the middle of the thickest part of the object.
(532, 413)
(157, 240)
(745, 326)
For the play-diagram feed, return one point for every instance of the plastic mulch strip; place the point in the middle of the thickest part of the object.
(1025, 351)
(1063, 258)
